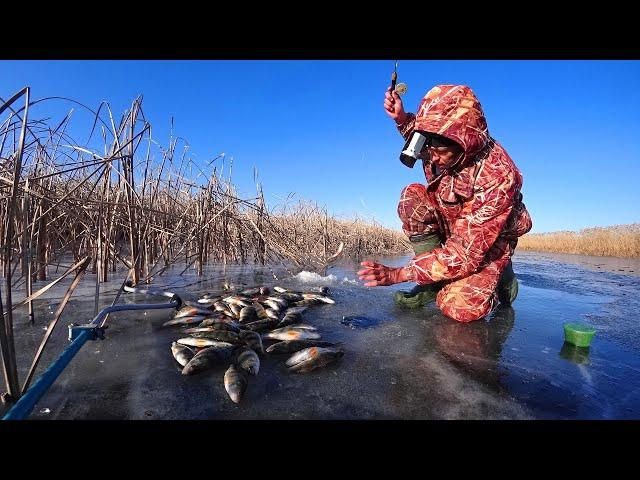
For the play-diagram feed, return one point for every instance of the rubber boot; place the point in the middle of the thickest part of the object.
(507, 288)
(420, 295)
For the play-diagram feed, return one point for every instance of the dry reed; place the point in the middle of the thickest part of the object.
(615, 241)
(122, 200)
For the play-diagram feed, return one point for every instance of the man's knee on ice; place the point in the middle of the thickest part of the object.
(463, 309)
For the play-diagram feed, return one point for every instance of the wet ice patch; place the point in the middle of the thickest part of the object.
(45, 411)
(359, 321)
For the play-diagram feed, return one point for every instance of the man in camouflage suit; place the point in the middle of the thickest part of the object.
(464, 225)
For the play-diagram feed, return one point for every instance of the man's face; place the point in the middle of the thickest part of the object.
(441, 151)
(444, 157)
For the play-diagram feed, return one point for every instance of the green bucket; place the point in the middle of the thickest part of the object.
(578, 334)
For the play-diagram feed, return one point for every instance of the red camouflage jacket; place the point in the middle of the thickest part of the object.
(478, 202)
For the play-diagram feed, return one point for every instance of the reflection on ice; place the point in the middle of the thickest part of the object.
(577, 355)
(359, 321)
(476, 347)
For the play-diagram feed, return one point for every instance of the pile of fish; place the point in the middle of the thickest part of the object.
(231, 329)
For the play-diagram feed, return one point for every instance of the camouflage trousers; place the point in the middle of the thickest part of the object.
(474, 296)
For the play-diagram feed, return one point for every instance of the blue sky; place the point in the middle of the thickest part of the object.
(317, 128)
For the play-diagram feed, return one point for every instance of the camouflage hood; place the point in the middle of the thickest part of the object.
(454, 111)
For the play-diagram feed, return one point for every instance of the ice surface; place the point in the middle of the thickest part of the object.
(410, 365)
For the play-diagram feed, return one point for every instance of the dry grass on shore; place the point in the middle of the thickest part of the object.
(615, 241)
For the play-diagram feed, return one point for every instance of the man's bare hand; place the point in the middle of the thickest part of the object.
(393, 106)
(378, 275)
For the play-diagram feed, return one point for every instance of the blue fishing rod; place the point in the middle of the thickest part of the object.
(79, 335)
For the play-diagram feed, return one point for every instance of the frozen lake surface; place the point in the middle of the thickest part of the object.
(404, 365)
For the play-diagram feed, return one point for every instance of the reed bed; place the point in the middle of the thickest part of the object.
(306, 226)
(615, 241)
(120, 199)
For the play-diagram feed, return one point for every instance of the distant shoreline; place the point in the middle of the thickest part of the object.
(621, 241)
(520, 249)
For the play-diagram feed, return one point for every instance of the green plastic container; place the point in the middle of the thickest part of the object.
(578, 334)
